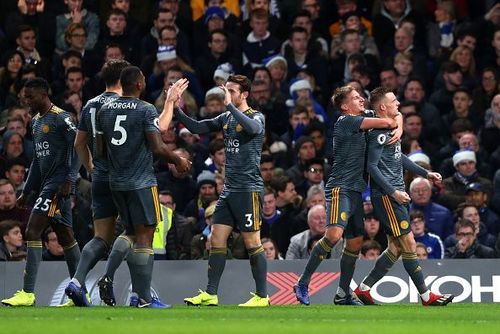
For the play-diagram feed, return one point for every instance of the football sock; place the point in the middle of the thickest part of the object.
(319, 252)
(93, 251)
(142, 260)
(33, 259)
(216, 264)
(412, 267)
(258, 264)
(72, 257)
(347, 266)
(384, 263)
(121, 248)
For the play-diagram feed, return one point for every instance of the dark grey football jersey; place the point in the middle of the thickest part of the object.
(124, 123)
(87, 124)
(243, 151)
(348, 165)
(53, 137)
(386, 161)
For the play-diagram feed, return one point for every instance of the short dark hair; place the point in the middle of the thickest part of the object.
(71, 53)
(24, 28)
(369, 245)
(117, 11)
(6, 226)
(216, 31)
(463, 89)
(377, 95)
(215, 145)
(314, 126)
(279, 183)
(450, 67)
(461, 223)
(340, 94)
(38, 83)
(459, 211)
(411, 79)
(74, 69)
(411, 114)
(243, 81)
(14, 162)
(296, 29)
(111, 71)
(461, 125)
(129, 77)
(414, 214)
(266, 158)
(462, 33)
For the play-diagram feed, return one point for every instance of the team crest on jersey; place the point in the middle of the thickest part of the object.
(404, 224)
(238, 128)
(381, 138)
(225, 127)
(343, 216)
(45, 128)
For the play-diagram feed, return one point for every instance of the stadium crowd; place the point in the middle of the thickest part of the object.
(441, 58)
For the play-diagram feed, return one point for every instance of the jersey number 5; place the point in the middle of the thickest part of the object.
(121, 129)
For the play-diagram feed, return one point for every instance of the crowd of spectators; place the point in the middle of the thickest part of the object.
(441, 58)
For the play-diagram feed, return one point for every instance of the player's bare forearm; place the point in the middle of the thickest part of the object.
(83, 151)
(166, 115)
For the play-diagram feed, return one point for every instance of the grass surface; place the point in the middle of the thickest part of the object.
(401, 319)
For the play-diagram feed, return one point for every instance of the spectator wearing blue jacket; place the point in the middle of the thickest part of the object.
(432, 242)
(438, 219)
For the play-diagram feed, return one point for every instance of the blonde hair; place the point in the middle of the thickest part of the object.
(471, 70)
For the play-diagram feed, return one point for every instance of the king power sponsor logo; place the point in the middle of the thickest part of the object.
(392, 289)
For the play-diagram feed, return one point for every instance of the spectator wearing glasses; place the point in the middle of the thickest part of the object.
(314, 174)
(467, 245)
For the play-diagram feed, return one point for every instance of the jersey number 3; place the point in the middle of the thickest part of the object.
(121, 129)
(249, 220)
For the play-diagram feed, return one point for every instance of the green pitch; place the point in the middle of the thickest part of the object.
(400, 319)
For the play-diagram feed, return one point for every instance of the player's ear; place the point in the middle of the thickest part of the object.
(245, 95)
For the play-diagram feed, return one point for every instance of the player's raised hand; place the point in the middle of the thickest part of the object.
(434, 177)
(40, 6)
(227, 95)
(183, 165)
(175, 91)
(401, 197)
(395, 135)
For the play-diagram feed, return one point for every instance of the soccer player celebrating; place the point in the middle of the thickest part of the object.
(240, 203)
(52, 175)
(128, 131)
(343, 192)
(385, 165)
(104, 210)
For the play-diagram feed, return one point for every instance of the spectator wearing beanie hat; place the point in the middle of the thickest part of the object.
(464, 162)
(207, 193)
(301, 90)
